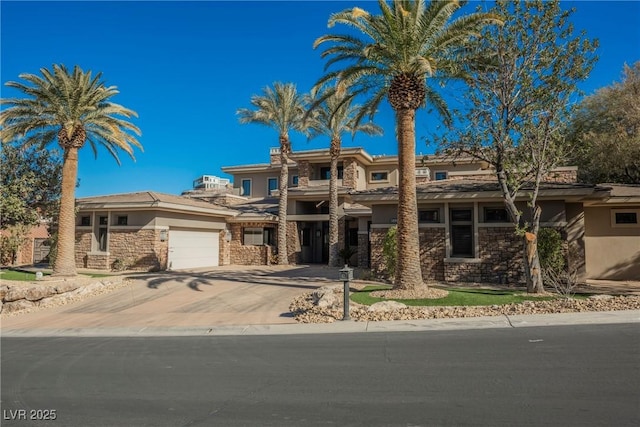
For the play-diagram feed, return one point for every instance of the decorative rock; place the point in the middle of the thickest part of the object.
(15, 293)
(319, 293)
(66, 286)
(601, 297)
(19, 305)
(385, 306)
(3, 291)
(36, 293)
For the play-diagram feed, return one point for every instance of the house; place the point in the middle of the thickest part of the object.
(465, 232)
(34, 249)
(150, 231)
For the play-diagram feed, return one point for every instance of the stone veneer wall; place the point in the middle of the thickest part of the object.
(240, 254)
(225, 248)
(303, 173)
(137, 249)
(349, 173)
(432, 253)
(565, 176)
(363, 250)
(293, 243)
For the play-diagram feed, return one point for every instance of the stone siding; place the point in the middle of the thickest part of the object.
(225, 248)
(350, 173)
(303, 173)
(82, 247)
(432, 253)
(240, 254)
(137, 249)
(363, 250)
(564, 176)
(501, 254)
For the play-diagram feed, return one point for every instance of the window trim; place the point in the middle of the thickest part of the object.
(615, 224)
(376, 181)
(250, 181)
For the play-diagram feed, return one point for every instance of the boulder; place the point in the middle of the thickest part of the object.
(19, 305)
(3, 291)
(386, 306)
(66, 287)
(319, 293)
(35, 293)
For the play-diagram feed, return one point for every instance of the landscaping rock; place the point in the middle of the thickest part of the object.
(67, 286)
(16, 306)
(35, 293)
(3, 291)
(385, 306)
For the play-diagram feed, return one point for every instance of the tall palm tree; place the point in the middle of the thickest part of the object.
(334, 116)
(72, 108)
(283, 109)
(402, 49)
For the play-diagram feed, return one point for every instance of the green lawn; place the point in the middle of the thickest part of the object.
(28, 276)
(456, 297)
(19, 275)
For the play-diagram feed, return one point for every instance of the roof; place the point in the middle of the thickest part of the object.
(152, 200)
(620, 194)
(476, 189)
(257, 210)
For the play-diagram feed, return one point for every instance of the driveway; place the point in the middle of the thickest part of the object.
(231, 295)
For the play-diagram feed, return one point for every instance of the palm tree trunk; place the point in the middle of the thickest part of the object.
(65, 263)
(283, 254)
(334, 251)
(408, 269)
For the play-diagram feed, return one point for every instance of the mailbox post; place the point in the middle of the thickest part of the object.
(346, 275)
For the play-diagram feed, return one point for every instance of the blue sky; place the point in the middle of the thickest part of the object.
(186, 67)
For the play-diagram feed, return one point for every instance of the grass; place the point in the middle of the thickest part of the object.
(18, 275)
(14, 274)
(456, 297)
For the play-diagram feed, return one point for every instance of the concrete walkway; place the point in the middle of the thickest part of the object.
(236, 300)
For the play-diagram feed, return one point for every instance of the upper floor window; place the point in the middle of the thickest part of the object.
(439, 176)
(272, 185)
(294, 180)
(496, 215)
(246, 187)
(379, 176)
(122, 220)
(325, 172)
(85, 220)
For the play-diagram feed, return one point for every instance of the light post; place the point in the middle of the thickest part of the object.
(346, 275)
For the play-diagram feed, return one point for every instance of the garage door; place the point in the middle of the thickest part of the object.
(193, 249)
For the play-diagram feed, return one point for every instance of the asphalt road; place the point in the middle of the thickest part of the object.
(542, 376)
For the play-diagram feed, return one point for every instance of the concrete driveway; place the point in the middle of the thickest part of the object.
(231, 295)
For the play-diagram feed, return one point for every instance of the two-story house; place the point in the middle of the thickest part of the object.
(464, 229)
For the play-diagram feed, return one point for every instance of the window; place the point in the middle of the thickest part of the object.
(252, 236)
(294, 180)
(622, 218)
(85, 220)
(102, 233)
(325, 172)
(496, 215)
(461, 233)
(439, 176)
(123, 220)
(353, 237)
(258, 236)
(379, 176)
(246, 187)
(429, 215)
(272, 185)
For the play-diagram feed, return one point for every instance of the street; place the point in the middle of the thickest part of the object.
(565, 376)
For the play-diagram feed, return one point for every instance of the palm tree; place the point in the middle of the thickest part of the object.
(332, 117)
(72, 108)
(283, 109)
(406, 45)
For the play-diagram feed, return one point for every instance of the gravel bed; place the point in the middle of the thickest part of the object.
(306, 311)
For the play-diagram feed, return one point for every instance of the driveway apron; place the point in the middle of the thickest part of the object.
(231, 295)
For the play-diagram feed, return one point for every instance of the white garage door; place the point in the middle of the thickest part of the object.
(193, 249)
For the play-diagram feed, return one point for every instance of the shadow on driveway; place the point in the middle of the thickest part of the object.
(299, 276)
